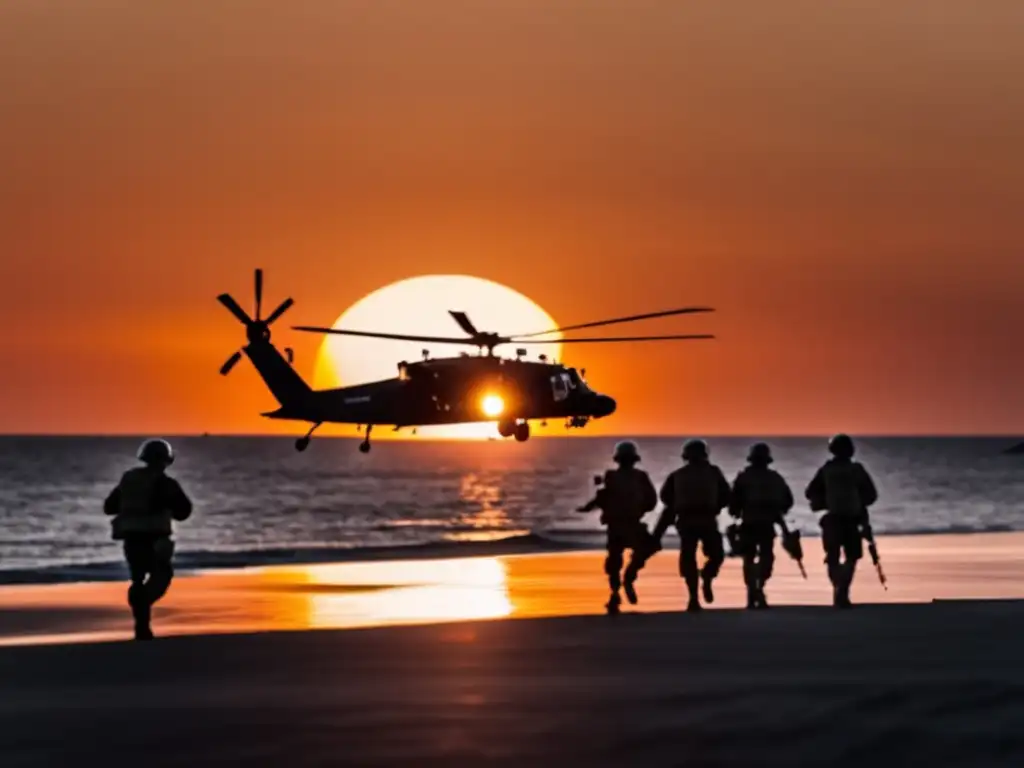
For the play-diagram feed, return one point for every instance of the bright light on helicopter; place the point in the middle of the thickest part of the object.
(492, 406)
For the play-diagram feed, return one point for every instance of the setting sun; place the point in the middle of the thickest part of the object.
(420, 305)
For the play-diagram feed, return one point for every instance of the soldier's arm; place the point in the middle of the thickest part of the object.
(668, 514)
(177, 502)
(650, 495)
(112, 504)
(815, 492)
(787, 494)
(736, 499)
(594, 503)
(724, 491)
(668, 492)
(868, 491)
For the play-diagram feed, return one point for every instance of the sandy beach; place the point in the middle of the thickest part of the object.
(511, 663)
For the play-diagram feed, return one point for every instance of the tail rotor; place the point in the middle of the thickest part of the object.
(256, 329)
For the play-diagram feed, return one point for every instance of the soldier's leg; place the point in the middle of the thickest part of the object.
(139, 555)
(832, 543)
(853, 550)
(749, 549)
(160, 580)
(162, 572)
(766, 562)
(688, 542)
(767, 555)
(613, 562)
(714, 551)
(640, 551)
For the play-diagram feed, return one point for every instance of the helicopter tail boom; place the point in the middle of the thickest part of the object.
(283, 381)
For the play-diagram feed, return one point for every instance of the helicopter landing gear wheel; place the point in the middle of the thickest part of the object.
(303, 442)
(364, 447)
(506, 428)
(522, 432)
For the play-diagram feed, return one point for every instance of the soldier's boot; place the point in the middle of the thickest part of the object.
(629, 577)
(835, 577)
(629, 588)
(612, 606)
(709, 595)
(140, 612)
(762, 582)
(751, 598)
(845, 581)
(694, 604)
(750, 579)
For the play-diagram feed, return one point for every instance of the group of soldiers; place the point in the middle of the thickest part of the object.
(146, 502)
(759, 498)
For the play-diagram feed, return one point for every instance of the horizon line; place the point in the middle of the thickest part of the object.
(439, 439)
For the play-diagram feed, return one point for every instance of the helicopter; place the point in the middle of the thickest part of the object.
(450, 390)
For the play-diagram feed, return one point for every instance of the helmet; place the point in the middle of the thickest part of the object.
(156, 451)
(760, 453)
(626, 451)
(841, 446)
(695, 450)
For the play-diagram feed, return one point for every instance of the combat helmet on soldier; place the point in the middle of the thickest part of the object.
(626, 452)
(760, 454)
(695, 450)
(156, 452)
(841, 446)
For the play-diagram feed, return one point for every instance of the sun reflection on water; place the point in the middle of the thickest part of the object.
(487, 520)
(355, 594)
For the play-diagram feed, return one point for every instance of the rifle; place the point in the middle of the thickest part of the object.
(598, 501)
(791, 543)
(869, 536)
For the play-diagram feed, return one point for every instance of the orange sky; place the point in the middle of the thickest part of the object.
(843, 181)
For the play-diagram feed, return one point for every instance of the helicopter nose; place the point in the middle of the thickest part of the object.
(604, 406)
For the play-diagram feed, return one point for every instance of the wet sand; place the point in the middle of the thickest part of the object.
(900, 681)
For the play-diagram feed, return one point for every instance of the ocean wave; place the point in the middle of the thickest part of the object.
(226, 559)
(549, 540)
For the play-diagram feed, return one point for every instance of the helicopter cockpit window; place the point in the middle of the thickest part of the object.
(403, 372)
(577, 380)
(559, 387)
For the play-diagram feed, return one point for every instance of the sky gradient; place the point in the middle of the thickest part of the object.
(844, 182)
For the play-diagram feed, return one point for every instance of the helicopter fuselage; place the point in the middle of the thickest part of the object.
(443, 391)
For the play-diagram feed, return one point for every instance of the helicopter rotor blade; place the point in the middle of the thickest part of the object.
(234, 309)
(393, 336)
(464, 323)
(606, 339)
(259, 292)
(614, 321)
(284, 307)
(231, 362)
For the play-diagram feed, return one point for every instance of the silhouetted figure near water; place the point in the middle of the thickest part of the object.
(143, 506)
(760, 499)
(844, 490)
(693, 496)
(626, 495)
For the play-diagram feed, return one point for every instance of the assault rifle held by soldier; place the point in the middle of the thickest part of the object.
(869, 537)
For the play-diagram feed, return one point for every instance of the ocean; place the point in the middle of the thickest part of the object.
(258, 501)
